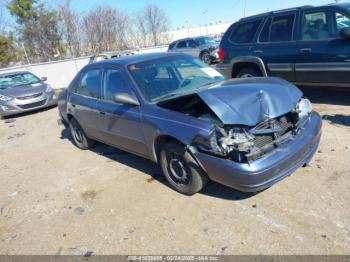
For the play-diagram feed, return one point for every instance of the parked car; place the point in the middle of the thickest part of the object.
(23, 91)
(177, 111)
(203, 47)
(306, 45)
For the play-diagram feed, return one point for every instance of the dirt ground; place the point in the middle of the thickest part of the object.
(57, 199)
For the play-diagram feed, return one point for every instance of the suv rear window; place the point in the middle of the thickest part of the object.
(245, 32)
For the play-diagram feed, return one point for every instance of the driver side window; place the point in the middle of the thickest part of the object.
(317, 26)
(113, 83)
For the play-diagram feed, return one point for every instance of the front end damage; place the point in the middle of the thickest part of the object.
(272, 162)
(243, 144)
(252, 157)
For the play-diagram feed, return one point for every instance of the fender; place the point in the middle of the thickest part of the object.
(250, 59)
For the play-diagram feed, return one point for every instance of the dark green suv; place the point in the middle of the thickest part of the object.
(305, 45)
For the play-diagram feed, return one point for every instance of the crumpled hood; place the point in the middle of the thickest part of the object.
(251, 101)
(25, 90)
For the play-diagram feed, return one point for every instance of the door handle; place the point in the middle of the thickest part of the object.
(102, 113)
(258, 52)
(73, 105)
(305, 50)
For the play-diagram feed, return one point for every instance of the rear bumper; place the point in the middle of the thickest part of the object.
(16, 106)
(263, 173)
(214, 55)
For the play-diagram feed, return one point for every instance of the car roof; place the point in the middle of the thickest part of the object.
(138, 58)
(13, 73)
(188, 38)
(305, 7)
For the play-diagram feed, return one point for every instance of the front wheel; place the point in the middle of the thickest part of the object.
(79, 137)
(181, 170)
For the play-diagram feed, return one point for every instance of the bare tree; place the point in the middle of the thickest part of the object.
(105, 29)
(72, 34)
(123, 29)
(153, 23)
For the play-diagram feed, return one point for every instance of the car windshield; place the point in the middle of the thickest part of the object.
(18, 79)
(205, 40)
(164, 78)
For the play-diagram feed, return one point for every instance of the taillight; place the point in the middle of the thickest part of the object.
(221, 54)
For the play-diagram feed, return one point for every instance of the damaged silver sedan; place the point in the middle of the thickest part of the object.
(177, 111)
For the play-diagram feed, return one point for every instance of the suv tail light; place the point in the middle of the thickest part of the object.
(221, 54)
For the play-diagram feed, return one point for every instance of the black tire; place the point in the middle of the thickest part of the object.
(206, 58)
(79, 137)
(248, 72)
(181, 170)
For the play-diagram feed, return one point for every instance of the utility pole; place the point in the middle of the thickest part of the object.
(245, 8)
(206, 20)
(188, 29)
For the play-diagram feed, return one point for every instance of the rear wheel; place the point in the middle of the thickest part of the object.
(181, 170)
(206, 58)
(79, 137)
(248, 72)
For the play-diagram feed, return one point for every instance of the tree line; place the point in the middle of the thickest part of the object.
(43, 34)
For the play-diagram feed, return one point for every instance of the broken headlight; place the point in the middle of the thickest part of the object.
(304, 107)
(236, 143)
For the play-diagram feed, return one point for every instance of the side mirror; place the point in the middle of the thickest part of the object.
(44, 79)
(124, 98)
(345, 33)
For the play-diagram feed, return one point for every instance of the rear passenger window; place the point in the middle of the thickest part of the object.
(265, 33)
(245, 32)
(282, 28)
(192, 43)
(182, 44)
(90, 84)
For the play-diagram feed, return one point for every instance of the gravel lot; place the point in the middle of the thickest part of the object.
(57, 199)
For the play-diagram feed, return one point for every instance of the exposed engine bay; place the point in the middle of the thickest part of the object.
(238, 143)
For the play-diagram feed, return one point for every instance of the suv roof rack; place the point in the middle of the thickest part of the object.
(277, 11)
